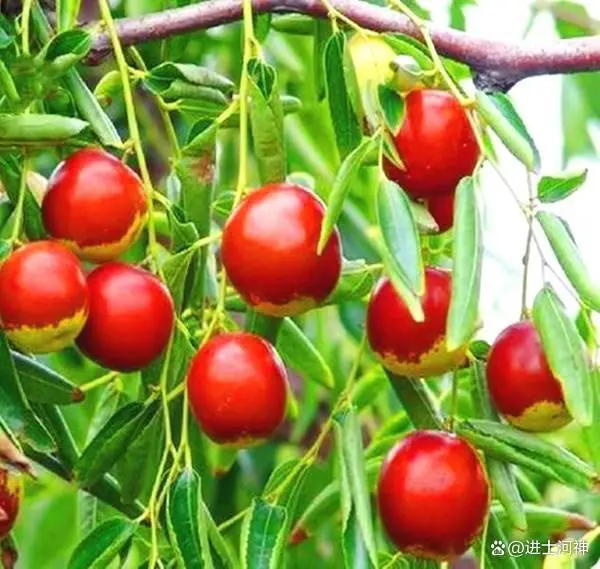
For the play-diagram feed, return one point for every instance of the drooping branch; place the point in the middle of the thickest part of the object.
(499, 64)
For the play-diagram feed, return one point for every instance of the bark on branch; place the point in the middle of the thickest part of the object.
(498, 64)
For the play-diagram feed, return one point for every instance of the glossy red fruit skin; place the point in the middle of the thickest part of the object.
(237, 389)
(95, 204)
(11, 493)
(433, 495)
(441, 209)
(131, 317)
(436, 144)
(43, 297)
(405, 346)
(520, 382)
(269, 251)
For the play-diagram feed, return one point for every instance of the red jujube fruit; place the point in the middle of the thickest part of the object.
(521, 383)
(95, 205)
(433, 495)
(269, 251)
(237, 389)
(43, 297)
(131, 317)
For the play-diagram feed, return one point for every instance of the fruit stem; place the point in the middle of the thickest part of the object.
(132, 123)
(528, 241)
(162, 108)
(25, 16)
(453, 402)
(99, 381)
(18, 221)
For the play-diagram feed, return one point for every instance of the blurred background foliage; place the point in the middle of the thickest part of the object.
(562, 114)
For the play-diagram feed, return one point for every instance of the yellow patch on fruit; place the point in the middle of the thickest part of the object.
(292, 308)
(51, 338)
(542, 417)
(436, 361)
(14, 485)
(108, 251)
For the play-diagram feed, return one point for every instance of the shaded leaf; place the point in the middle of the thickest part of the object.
(552, 189)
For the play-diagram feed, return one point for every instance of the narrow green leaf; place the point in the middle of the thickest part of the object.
(349, 435)
(43, 385)
(183, 521)
(113, 439)
(176, 270)
(266, 121)
(566, 354)
(392, 108)
(204, 138)
(14, 408)
(400, 236)
(103, 544)
(552, 189)
(341, 187)
(353, 544)
(36, 130)
(217, 541)
(162, 79)
(109, 87)
(463, 314)
(66, 13)
(368, 388)
(499, 112)
(321, 32)
(356, 281)
(505, 488)
(418, 402)
(298, 352)
(65, 49)
(263, 536)
(506, 444)
(345, 122)
(7, 85)
(570, 260)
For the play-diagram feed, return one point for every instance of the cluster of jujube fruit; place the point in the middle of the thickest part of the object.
(122, 317)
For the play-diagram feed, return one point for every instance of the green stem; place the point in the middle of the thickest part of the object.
(25, 17)
(134, 132)
(99, 381)
(18, 213)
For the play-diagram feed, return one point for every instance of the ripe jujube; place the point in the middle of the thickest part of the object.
(95, 205)
(43, 297)
(11, 493)
(131, 317)
(269, 251)
(433, 495)
(403, 345)
(521, 383)
(435, 143)
(237, 388)
(441, 209)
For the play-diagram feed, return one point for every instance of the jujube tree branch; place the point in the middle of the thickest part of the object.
(497, 64)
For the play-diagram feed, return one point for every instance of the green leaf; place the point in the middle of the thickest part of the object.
(113, 439)
(204, 138)
(266, 121)
(176, 270)
(14, 407)
(188, 536)
(263, 536)
(368, 388)
(406, 45)
(466, 273)
(356, 281)
(507, 444)
(103, 544)
(552, 189)
(146, 449)
(349, 440)
(37, 130)
(570, 260)
(217, 541)
(503, 482)
(65, 49)
(418, 402)
(457, 13)
(7, 85)
(185, 80)
(500, 114)
(566, 354)
(400, 236)
(66, 13)
(345, 177)
(392, 108)
(298, 353)
(345, 122)
(5, 248)
(353, 545)
(109, 87)
(43, 385)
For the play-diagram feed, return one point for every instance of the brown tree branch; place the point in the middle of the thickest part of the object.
(499, 64)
